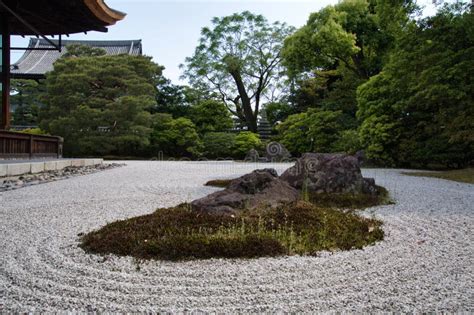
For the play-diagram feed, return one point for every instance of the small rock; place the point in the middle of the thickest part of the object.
(252, 156)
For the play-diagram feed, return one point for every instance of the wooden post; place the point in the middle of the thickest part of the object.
(31, 146)
(5, 121)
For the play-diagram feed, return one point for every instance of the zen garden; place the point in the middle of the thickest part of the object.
(236, 157)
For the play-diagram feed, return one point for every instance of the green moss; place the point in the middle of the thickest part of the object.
(179, 233)
(463, 176)
(352, 201)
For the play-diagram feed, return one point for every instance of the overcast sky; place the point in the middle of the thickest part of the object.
(170, 29)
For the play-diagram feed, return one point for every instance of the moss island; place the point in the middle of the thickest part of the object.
(305, 227)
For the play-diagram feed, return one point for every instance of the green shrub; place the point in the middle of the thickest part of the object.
(219, 145)
(313, 131)
(244, 142)
(278, 111)
(211, 116)
(349, 142)
(175, 137)
(34, 131)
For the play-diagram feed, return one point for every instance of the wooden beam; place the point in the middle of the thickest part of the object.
(5, 121)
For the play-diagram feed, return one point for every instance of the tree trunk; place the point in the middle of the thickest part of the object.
(250, 116)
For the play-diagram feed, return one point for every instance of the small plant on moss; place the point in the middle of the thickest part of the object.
(305, 191)
(351, 201)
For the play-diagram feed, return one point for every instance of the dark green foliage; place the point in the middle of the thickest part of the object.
(355, 35)
(293, 133)
(171, 99)
(244, 142)
(339, 48)
(330, 90)
(314, 131)
(420, 110)
(211, 116)
(351, 201)
(25, 100)
(219, 145)
(177, 100)
(278, 112)
(417, 112)
(181, 233)
(174, 137)
(100, 105)
(78, 50)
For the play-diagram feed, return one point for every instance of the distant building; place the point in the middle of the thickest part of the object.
(36, 61)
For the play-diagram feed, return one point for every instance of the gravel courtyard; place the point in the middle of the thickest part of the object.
(424, 264)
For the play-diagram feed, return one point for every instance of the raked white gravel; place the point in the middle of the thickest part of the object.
(424, 264)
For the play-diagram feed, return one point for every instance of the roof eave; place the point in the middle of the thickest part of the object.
(103, 12)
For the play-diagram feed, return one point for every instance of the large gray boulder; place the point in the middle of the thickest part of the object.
(328, 173)
(259, 188)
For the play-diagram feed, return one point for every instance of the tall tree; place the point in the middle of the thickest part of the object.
(239, 59)
(419, 111)
(339, 48)
(100, 105)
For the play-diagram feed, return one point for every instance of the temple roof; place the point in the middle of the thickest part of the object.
(53, 17)
(35, 63)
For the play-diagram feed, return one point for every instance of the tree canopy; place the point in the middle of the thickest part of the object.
(312, 131)
(175, 137)
(420, 109)
(211, 116)
(239, 59)
(100, 105)
(354, 34)
(25, 100)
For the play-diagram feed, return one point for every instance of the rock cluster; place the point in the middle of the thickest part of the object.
(12, 183)
(314, 172)
(261, 187)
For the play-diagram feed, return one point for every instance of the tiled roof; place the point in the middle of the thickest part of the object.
(35, 63)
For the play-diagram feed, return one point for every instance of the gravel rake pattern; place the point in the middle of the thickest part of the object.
(424, 263)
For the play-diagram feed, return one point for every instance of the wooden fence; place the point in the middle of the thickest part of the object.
(16, 145)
